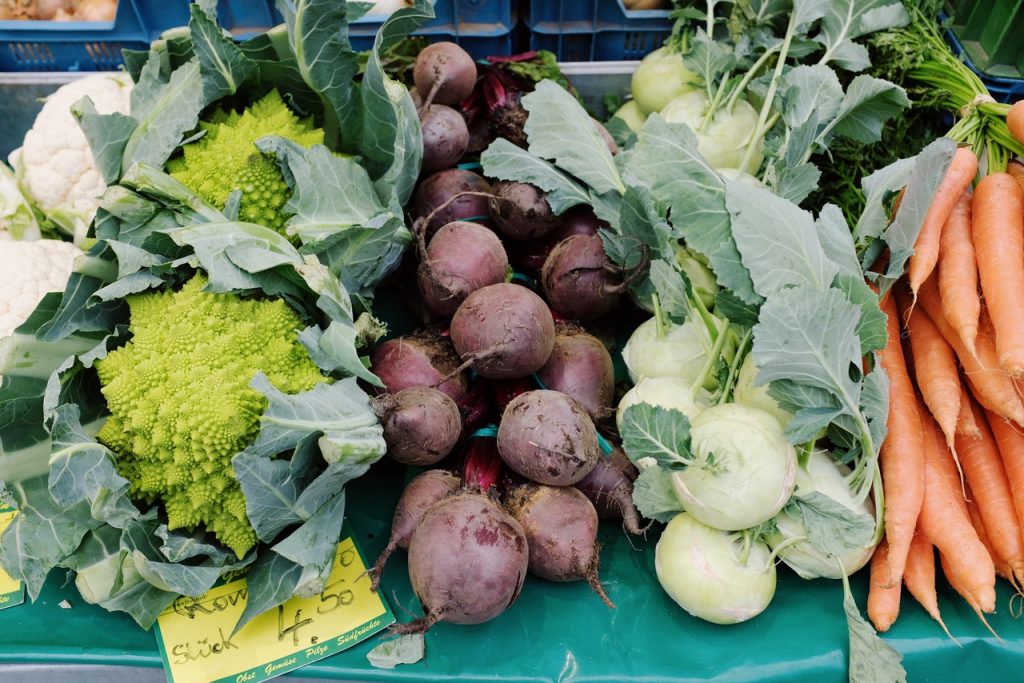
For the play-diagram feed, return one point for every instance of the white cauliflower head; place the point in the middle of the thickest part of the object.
(28, 270)
(55, 166)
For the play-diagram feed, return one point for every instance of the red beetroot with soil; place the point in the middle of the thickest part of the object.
(579, 220)
(579, 281)
(503, 331)
(561, 531)
(438, 188)
(421, 425)
(444, 73)
(467, 561)
(609, 486)
(419, 496)
(521, 211)
(581, 367)
(422, 359)
(547, 437)
(460, 259)
(445, 137)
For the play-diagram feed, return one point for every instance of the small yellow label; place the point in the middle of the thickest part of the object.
(195, 638)
(11, 593)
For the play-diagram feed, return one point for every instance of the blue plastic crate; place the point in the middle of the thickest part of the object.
(595, 30)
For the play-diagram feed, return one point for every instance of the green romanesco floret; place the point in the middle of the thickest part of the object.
(226, 158)
(180, 402)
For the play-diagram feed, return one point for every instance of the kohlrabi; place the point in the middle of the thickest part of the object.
(697, 272)
(718, 576)
(631, 113)
(741, 470)
(661, 77)
(668, 392)
(663, 349)
(748, 393)
(827, 480)
(723, 135)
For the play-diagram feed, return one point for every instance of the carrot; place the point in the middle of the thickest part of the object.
(965, 424)
(958, 584)
(1002, 569)
(1015, 121)
(983, 467)
(935, 369)
(958, 273)
(997, 232)
(989, 383)
(883, 591)
(946, 461)
(920, 578)
(900, 459)
(959, 175)
(1010, 442)
(1016, 169)
(946, 522)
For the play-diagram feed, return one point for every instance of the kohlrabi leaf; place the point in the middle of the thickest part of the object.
(810, 91)
(654, 432)
(708, 58)
(666, 160)
(407, 649)
(390, 140)
(224, 67)
(869, 102)
(871, 658)
(874, 402)
(318, 35)
(670, 285)
(929, 169)
(847, 20)
(505, 161)
(777, 240)
(559, 129)
(871, 327)
(836, 240)
(831, 526)
(654, 496)
(165, 110)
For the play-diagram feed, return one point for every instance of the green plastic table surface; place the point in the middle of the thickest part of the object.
(562, 632)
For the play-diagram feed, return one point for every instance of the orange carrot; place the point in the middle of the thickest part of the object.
(990, 384)
(946, 523)
(997, 231)
(965, 424)
(983, 468)
(961, 172)
(960, 586)
(883, 591)
(1015, 121)
(920, 577)
(1010, 441)
(900, 459)
(1002, 569)
(949, 466)
(936, 371)
(1016, 169)
(958, 273)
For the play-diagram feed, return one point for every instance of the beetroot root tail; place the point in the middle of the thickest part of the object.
(378, 567)
(595, 583)
(421, 625)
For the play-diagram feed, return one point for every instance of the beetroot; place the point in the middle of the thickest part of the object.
(607, 137)
(444, 73)
(460, 259)
(579, 220)
(421, 425)
(609, 486)
(578, 279)
(419, 495)
(503, 331)
(521, 211)
(561, 532)
(423, 359)
(467, 561)
(445, 137)
(441, 187)
(548, 437)
(581, 367)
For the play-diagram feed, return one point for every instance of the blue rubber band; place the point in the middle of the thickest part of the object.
(539, 381)
(470, 166)
(606, 447)
(476, 219)
(524, 279)
(490, 431)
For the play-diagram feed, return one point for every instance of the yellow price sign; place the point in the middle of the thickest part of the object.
(11, 592)
(197, 645)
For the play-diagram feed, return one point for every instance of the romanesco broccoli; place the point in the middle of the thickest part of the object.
(226, 158)
(180, 402)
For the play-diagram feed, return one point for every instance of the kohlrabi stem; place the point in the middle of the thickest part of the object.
(769, 98)
(709, 115)
(709, 364)
(659, 320)
(748, 539)
(782, 546)
(734, 366)
(876, 487)
(752, 72)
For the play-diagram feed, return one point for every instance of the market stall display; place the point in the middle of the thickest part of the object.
(293, 259)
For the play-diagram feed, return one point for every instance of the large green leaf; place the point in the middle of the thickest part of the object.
(505, 161)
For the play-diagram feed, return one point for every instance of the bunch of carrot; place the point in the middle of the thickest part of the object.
(953, 462)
